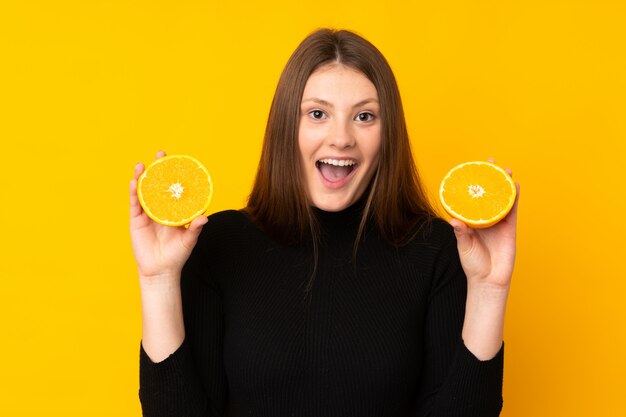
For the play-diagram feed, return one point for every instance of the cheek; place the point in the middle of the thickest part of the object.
(302, 143)
(309, 140)
(306, 152)
(373, 146)
(313, 131)
(303, 150)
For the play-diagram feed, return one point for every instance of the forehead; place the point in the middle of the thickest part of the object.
(340, 82)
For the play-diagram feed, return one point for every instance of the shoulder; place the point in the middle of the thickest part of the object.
(436, 233)
(442, 232)
(225, 225)
(433, 245)
(222, 241)
(231, 230)
(228, 218)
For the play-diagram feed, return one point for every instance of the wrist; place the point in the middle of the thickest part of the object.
(487, 291)
(162, 317)
(160, 298)
(486, 304)
(159, 282)
(483, 326)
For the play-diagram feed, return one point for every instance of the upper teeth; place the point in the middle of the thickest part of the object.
(338, 162)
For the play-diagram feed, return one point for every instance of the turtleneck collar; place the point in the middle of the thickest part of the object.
(343, 221)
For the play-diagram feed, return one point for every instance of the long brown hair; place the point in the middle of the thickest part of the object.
(396, 201)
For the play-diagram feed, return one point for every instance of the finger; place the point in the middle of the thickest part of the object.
(135, 207)
(516, 202)
(139, 170)
(160, 154)
(511, 218)
(190, 237)
(508, 170)
(463, 235)
(198, 223)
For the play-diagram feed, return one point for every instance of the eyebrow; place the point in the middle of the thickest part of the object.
(328, 104)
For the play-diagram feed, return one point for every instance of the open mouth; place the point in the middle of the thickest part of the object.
(336, 170)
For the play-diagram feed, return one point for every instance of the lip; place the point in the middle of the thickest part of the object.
(334, 185)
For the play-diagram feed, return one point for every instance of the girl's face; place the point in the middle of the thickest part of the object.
(339, 136)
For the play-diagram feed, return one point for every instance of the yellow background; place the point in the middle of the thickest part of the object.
(89, 88)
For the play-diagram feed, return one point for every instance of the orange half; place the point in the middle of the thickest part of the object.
(174, 190)
(480, 194)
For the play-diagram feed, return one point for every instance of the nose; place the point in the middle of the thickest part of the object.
(341, 135)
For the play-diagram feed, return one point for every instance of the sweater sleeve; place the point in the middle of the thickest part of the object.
(191, 381)
(454, 382)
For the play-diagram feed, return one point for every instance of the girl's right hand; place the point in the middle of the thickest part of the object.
(160, 251)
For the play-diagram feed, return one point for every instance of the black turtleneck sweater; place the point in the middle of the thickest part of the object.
(375, 335)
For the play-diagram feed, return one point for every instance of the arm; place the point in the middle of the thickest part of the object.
(163, 330)
(169, 385)
(454, 383)
(190, 381)
(487, 256)
(160, 253)
(472, 384)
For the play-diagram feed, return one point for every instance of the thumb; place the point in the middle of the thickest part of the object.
(190, 237)
(463, 235)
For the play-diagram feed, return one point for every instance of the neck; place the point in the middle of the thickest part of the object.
(340, 226)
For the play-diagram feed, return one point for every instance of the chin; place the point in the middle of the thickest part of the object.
(331, 207)
(332, 204)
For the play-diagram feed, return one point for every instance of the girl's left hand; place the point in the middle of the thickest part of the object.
(488, 255)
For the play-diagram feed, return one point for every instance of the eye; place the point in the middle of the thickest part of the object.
(317, 114)
(365, 117)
